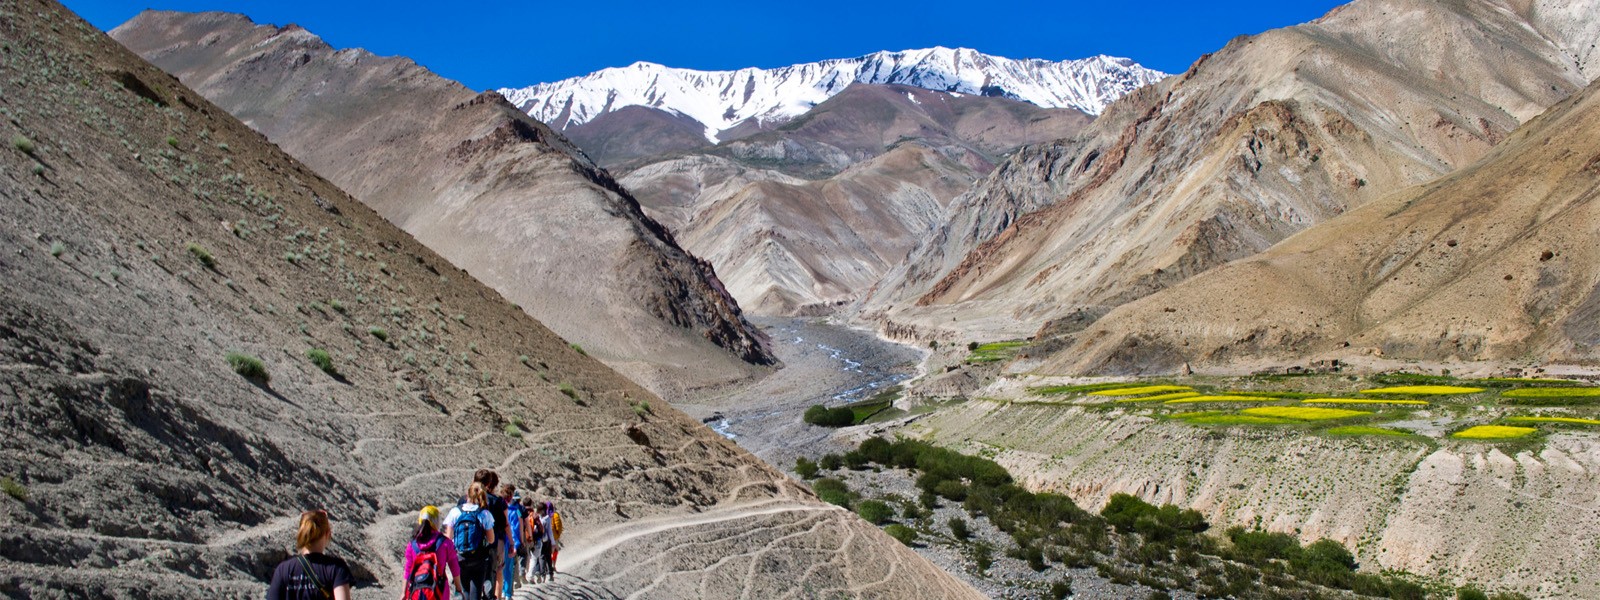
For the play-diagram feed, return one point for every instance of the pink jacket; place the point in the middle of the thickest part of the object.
(447, 555)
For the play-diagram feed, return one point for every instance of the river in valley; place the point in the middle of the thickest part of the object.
(824, 363)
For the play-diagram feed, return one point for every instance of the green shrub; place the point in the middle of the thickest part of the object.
(172, 141)
(823, 416)
(833, 491)
(1471, 593)
(337, 306)
(379, 332)
(875, 511)
(579, 349)
(14, 489)
(982, 556)
(566, 388)
(905, 535)
(22, 143)
(249, 366)
(1061, 589)
(856, 460)
(322, 360)
(878, 450)
(958, 528)
(950, 489)
(805, 468)
(831, 462)
(203, 255)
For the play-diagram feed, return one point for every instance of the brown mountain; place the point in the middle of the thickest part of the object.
(804, 217)
(1496, 262)
(494, 191)
(634, 132)
(148, 235)
(1268, 136)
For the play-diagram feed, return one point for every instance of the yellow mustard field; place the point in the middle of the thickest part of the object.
(1160, 397)
(1303, 413)
(1364, 401)
(1493, 432)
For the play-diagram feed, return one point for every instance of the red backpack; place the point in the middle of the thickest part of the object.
(426, 579)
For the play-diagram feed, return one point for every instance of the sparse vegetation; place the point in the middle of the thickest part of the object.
(1568, 420)
(22, 143)
(993, 352)
(1424, 390)
(1056, 390)
(833, 491)
(248, 366)
(203, 255)
(579, 349)
(15, 490)
(379, 332)
(568, 390)
(57, 248)
(1141, 390)
(959, 529)
(1161, 397)
(322, 360)
(513, 431)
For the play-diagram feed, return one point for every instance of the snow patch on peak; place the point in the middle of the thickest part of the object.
(722, 99)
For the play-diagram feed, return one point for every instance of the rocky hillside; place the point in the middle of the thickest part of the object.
(1268, 136)
(1496, 262)
(200, 337)
(801, 219)
(720, 101)
(1502, 518)
(492, 190)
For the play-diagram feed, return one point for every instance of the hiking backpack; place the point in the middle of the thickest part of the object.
(426, 579)
(468, 533)
(514, 516)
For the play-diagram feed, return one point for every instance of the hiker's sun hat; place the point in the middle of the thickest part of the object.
(429, 514)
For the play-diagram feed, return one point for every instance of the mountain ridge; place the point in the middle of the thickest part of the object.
(723, 100)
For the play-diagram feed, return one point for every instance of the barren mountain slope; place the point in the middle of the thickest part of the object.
(147, 234)
(478, 181)
(1498, 262)
(1270, 135)
(787, 245)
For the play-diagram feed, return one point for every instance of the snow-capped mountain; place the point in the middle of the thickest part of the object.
(720, 100)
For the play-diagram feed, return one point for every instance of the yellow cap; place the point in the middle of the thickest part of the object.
(429, 514)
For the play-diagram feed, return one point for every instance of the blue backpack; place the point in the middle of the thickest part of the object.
(468, 532)
(514, 515)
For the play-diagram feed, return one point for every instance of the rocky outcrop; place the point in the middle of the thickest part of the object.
(497, 193)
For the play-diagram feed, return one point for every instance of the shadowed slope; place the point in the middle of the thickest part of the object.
(496, 192)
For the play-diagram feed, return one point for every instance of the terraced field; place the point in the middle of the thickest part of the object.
(1453, 479)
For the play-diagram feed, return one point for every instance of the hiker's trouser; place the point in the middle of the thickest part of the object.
(508, 573)
(477, 576)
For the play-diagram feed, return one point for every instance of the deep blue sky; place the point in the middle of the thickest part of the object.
(522, 43)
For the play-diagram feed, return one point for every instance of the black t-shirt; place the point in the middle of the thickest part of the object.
(290, 581)
(497, 509)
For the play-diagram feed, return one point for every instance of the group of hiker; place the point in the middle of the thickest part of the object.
(488, 541)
